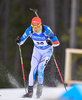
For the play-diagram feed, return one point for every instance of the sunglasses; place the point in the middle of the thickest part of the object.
(36, 26)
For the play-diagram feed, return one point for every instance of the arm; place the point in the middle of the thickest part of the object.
(55, 41)
(52, 39)
(24, 37)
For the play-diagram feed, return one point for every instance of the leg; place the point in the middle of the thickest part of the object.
(43, 62)
(31, 79)
(34, 64)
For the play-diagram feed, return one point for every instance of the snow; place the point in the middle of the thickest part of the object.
(49, 93)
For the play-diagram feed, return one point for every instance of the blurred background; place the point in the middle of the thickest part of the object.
(64, 18)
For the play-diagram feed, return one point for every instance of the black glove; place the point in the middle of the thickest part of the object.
(49, 42)
(18, 40)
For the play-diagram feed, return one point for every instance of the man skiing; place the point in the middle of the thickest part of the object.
(43, 37)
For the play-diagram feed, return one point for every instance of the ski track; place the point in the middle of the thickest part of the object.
(49, 93)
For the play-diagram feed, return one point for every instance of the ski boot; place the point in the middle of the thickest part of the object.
(30, 92)
(39, 90)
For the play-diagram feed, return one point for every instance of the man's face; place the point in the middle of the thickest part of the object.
(36, 30)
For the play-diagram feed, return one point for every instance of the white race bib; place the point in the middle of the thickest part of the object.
(40, 43)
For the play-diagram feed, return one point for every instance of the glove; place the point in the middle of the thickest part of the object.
(18, 40)
(49, 42)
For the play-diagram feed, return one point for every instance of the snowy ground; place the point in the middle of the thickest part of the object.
(49, 93)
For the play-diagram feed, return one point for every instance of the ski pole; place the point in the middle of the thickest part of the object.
(58, 68)
(22, 67)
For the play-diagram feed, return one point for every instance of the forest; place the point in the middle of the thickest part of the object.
(64, 18)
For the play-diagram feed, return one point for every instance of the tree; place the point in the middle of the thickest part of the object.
(73, 42)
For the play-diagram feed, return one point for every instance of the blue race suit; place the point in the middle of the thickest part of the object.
(41, 52)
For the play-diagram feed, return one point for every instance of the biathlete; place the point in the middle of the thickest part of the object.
(43, 37)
